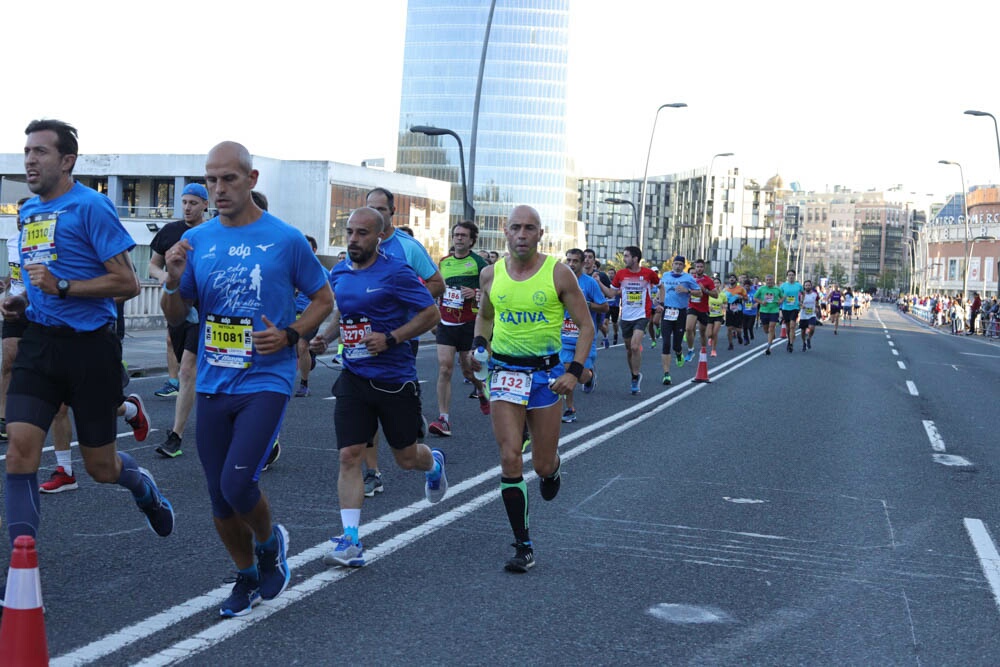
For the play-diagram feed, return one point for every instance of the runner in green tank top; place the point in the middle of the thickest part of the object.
(524, 296)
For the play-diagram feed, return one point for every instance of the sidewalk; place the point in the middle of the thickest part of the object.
(145, 351)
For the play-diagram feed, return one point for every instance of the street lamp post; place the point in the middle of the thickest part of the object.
(645, 172)
(620, 202)
(431, 131)
(708, 219)
(968, 233)
(996, 131)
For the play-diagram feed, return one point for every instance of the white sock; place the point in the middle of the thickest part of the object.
(131, 410)
(444, 416)
(351, 520)
(65, 459)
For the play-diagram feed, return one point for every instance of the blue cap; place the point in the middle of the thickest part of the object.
(196, 189)
(679, 258)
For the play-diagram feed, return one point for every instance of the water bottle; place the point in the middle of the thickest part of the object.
(482, 356)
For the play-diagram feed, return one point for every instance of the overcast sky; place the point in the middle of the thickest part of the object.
(862, 94)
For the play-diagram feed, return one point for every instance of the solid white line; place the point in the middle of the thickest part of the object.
(986, 550)
(937, 442)
(901, 365)
(912, 387)
(204, 640)
(76, 443)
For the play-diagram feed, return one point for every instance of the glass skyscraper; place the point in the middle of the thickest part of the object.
(521, 155)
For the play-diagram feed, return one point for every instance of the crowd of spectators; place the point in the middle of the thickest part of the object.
(969, 317)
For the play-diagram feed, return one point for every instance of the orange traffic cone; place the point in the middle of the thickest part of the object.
(22, 628)
(784, 330)
(702, 374)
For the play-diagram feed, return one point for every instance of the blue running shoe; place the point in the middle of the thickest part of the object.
(690, 355)
(606, 343)
(635, 384)
(159, 512)
(273, 565)
(569, 416)
(345, 552)
(437, 483)
(588, 386)
(246, 593)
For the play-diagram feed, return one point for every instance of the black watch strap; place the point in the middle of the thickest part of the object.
(390, 340)
(293, 336)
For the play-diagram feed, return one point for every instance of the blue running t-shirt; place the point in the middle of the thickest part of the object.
(378, 298)
(238, 274)
(74, 234)
(593, 294)
(671, 297)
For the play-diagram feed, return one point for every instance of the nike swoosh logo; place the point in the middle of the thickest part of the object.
(241, 467)
(370, 290)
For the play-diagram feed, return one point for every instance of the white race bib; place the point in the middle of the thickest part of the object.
(452, 298)
(671, 314)
(510, 386)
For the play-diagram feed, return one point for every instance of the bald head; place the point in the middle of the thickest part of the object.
(230, 151)
(368, 215)
(525, 212)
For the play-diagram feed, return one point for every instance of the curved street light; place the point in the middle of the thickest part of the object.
(968, 232)
(708, 219)
(621, 202)
(996, 131)
(431, 131)
(645, 172)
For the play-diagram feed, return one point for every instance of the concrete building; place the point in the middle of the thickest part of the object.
(948, 244)
(314, 196)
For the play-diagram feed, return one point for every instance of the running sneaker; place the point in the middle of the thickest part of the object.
(690, 354)
(168, 390)
(616, 341)
(474, 394)
(713, 354)
(301, 392)
(345, 552)
(59, 482)
(440, 427)
(680, 360)
(139, 423)
(549, 486)
(373, 483)
(569, 416)
(484, 404)
(171, 448)
(653, 344)
(273, 456)
(635, 384)
(3, 429)
(273, 564)
(436, 484)
(526, 438)
(809, 343)
(246, 593)
(791, 348)
(804, 346)
(588, 386)
(606, 343)
(731, 344)
(337, 360)
(523, 558)
(767, 352)
(666, 378)
(158, 510)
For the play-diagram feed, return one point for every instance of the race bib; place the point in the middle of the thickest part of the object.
(633, 298)
(510, 386)
(790, 300)
(769, 298)
(569, 328)
(15, 272)
(696, 299)
(808, 312)
(228, 341)
(736, 306)
(38, 241)
(452, 298)
(352, 332)
(671, 314)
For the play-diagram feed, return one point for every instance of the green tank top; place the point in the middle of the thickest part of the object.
(529, 315)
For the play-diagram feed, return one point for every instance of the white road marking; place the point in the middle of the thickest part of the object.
(901, 364)
(937, 442)
(895, 352)
(952, 460)
(891, 344)
(986, 550)
(218, 632)
(887, 335)
(912, 387)
(974, 354)
(76, 443)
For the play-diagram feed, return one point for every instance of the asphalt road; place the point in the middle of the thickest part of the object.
(805, 508)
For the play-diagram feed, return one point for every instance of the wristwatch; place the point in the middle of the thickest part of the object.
(63, 287)
(293, 336)
(390, 340)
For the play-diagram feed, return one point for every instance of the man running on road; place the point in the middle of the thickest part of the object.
(769, 298)
(633, 285)
(676, 287)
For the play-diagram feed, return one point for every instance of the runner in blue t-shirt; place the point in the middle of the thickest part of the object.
(598, 305)
(790, 291)
(676, 288)
(243, 268)
(376, 295)
(399, 244)
(749, 311)
(75, 261)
